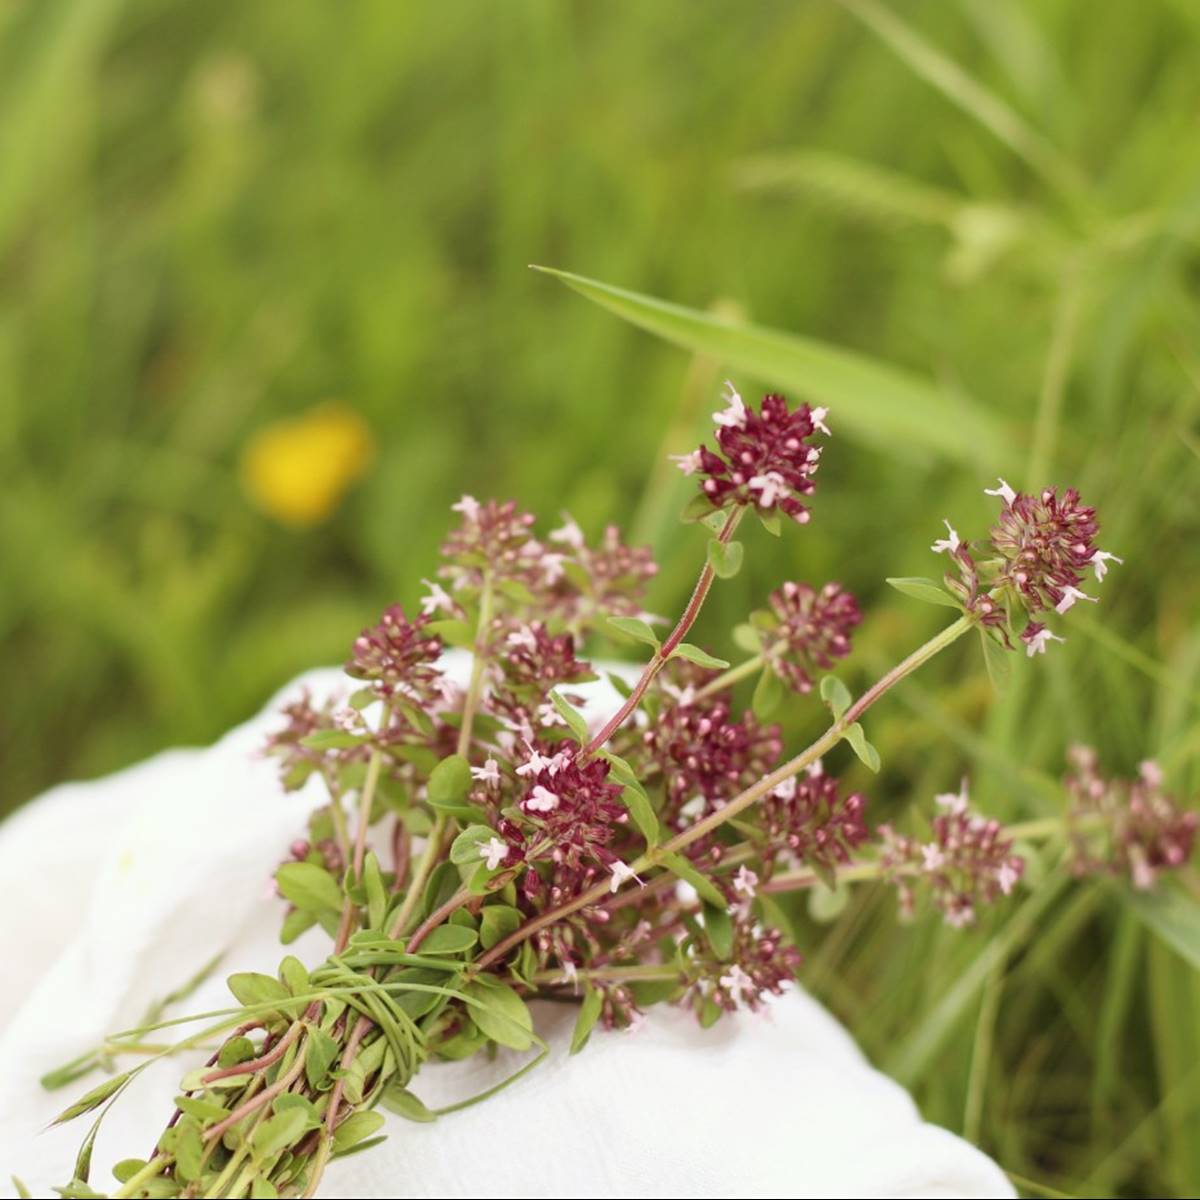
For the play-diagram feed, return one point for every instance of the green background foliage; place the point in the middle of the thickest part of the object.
(981, 224)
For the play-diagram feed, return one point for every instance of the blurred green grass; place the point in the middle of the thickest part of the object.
(216, 216)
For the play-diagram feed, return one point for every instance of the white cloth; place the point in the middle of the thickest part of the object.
(112, 893)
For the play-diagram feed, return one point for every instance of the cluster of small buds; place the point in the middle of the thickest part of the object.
(979, 603)
(1130, 827)
(765, 460)
(1043, 545)
(806, 819)
(615, 575)
(813, 631)
(397, 657)
(1046, 544)
(326, 849)
(496, 537)
(303, 718)
(705, 756)
(618, 1008)
(761, 963)
(572, 805)
(530, 656)
(967, 862)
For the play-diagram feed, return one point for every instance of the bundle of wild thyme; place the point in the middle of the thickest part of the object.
(531, 853)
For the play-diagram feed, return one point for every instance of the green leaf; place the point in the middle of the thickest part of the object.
(263, 1189)
(770, 521)
(746, 637)
(294, 975)
(280, 1131)
(998, 661)
(290, 1100)
(572, 716)
(698, 508)
(636, 628)
(620, 770)
(835, 693)
(377, 896)
(500, 1013)
(236, 1050)
(125, 1170)
(449, 783)
(924, 589)
(189, 1150)
(888, 407)
(334, 739)
(725, 558)
(827, 904)
(309, 887)
(718, 928)
(589, 1014)
(403, 1103)
(320, 1052)
(683, 869)
(642, 813)
(496, 922)
(700, 657)
(620, 686)
(205, 1111)
(449, 939)
(294, 924)
(465, 848)
(355, 1129)
(865, 751)
(443, 882)
(251, 987)
(768, 694)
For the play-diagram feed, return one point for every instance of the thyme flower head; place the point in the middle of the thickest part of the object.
(1130, 827)
(806, 819)
(813, 631)
(765, 458)
(397, 657)
(967, 862)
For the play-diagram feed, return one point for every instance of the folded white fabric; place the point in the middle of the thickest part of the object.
(113, 891)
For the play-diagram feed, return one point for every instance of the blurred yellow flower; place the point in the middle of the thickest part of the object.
(297, 470)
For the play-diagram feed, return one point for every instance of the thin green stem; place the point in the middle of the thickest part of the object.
(366, 800)
(156, 1166)
(794, 881)
(734, 675)
(663, 654)
(429, 856)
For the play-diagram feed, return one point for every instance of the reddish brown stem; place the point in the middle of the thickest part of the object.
(264, 1097)
(260, 1063)
(435, 918)
(664, 652)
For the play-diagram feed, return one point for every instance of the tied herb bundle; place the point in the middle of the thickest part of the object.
(487, 844)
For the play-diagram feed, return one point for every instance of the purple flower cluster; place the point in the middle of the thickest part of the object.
(812, 631)
(967, 862)
(765, 458)
(760, 963)
(397, 658)
(806, 819)
(1128, 827)
(1041, 547)
(705, 756)
(571, 804)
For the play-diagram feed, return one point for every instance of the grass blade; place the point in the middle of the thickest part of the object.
(875, 402)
